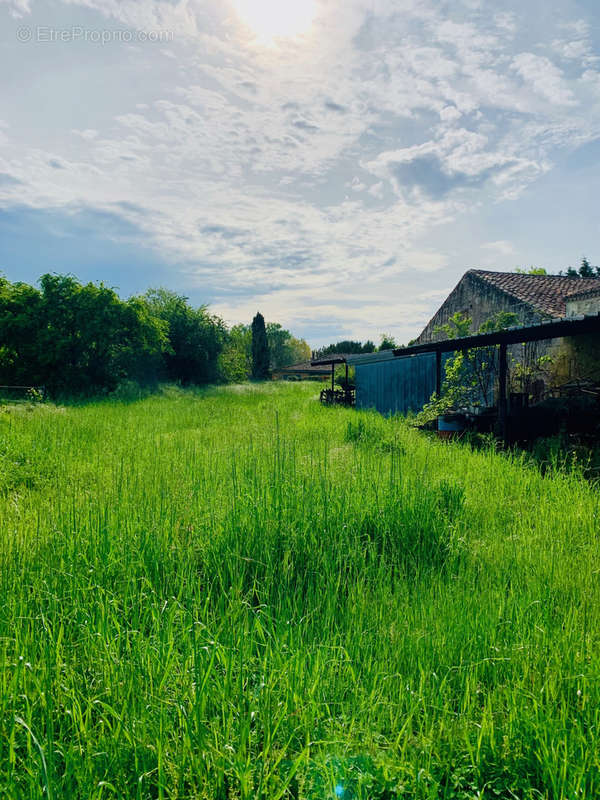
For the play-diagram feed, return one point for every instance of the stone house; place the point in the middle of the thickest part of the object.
(533, 299)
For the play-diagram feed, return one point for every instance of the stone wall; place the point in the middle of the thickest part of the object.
(577, 359)
(590, 304)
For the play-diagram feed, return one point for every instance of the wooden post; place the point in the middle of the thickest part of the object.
(438, 373)
(502, 410)
(332, 377)
(346, 389)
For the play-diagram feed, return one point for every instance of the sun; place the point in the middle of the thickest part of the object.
(275, 19)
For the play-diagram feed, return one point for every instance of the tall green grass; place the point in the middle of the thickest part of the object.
(236, 593)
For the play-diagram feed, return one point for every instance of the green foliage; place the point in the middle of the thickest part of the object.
(469, 376)
(340, 377)
(260, 349)
(387, 342)
(83, 340)
(567, 454)
(128, 391)
(233, 592)
(499, 321)
(347, 346)
(285, 349)
(586, 270)
(235, 361)
(531, 271)
(35, 395)
(523, 374)
(195, 337)
(458, 325)
(74, 338)
(300, 350)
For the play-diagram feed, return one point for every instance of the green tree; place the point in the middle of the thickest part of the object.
(196, 338)
(75, 339)
(586, 270)
(387, 342)
(280, 352)
(145, 340)
(260, 348)
(20, 324)
(346, 346)
(285, 349)
(235, 361)
(301, 350)
(89, 339)
(79, 339)
(531, 271)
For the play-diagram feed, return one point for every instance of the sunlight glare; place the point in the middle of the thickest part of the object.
(273, 19)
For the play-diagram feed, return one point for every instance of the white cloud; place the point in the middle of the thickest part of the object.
(450, 114)
(577, 27)
(17, 8)
(545, 78)
(179, 17)
(506, 21)
(502, 246)
(296, 169)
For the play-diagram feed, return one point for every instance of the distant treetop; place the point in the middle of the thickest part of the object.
(387, 342)
(260, 348)
(531, 271)
(348, 346)
(586, 270)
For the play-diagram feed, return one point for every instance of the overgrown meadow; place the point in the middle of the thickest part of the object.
(237, 593)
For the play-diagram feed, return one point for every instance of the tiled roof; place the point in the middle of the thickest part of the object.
(544, 293)
(594, 292)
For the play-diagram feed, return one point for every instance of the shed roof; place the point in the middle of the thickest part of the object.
(518, 334)
(332, 358)
(544, 293)
(304, 367)
(354, 358)
(370, 358)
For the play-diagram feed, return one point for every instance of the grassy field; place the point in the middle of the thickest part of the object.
(237, 593)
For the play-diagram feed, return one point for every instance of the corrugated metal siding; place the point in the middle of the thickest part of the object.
(396, 386)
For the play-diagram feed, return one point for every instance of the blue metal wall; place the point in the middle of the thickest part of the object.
(396, 386)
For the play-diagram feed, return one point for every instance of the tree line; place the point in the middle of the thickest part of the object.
(586, 270)
(351, 347)
(83, 339)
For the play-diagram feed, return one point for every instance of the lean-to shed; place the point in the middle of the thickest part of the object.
(393, 385)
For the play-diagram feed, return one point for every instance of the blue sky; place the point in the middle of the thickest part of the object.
(339, 178)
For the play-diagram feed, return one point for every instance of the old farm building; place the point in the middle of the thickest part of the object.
(557, 317)
(532, 298)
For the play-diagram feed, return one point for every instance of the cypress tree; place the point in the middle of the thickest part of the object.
(260, 348)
